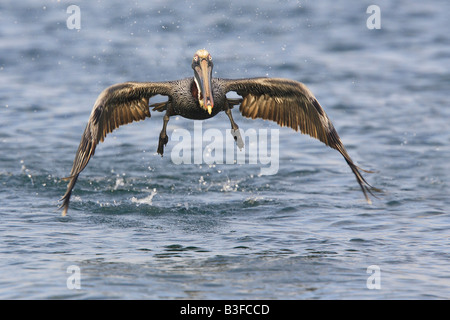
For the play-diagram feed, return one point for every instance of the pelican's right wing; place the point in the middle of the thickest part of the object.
(117, 105)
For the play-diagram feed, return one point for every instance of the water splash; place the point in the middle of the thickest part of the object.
(148, 200)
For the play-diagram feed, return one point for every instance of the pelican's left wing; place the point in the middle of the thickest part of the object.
(290, 103)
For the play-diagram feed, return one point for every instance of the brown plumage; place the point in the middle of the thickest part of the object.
(287, 102)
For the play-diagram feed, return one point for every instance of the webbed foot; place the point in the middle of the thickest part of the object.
(162, 142)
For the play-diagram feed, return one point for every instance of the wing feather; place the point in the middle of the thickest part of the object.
(290, 103)
(117, 105)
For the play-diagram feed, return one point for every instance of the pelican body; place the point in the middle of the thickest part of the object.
(287, 102)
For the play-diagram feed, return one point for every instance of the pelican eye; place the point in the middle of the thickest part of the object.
(195, 58)
(210, 58)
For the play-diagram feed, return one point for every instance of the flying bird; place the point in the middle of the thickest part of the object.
(287, 102)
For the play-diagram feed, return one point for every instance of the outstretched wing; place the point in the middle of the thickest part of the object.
(290, 103)
(117, 105)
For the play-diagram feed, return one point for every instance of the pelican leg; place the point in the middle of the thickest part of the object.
(160, 106)
(235, 130)
(163, 138)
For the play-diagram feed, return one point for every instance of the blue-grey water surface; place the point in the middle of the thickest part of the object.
(142, 227)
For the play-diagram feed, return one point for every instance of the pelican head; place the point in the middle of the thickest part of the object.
(203, 65)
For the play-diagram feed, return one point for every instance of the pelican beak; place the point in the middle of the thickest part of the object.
(203, 80)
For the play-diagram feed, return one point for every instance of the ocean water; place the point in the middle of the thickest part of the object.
(141, 226)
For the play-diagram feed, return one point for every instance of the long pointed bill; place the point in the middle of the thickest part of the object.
(203, 77)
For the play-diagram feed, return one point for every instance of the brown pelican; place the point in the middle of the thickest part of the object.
(287, 102)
